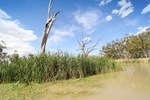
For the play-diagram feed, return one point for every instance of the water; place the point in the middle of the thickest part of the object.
(133, 83)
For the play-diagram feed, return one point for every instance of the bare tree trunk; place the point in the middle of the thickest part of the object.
(47, 28)
(83, 42)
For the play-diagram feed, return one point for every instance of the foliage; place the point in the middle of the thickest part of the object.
(136, 46)
(53, 66)
(2, 53)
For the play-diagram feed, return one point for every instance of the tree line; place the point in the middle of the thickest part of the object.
(135, 46)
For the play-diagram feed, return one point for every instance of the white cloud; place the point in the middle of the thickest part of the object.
(108, 18)
(54, 39)
(125, 10)
(146, 9)
(15, 37)
(60, 34)
(4, 15)
(87, 39)
(142, 29)
(88, 19)
(104, 2)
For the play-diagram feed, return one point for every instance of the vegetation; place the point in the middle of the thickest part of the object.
(52, 66)
(2, 53)
(52, 90)
(136, 46)
(15, 91)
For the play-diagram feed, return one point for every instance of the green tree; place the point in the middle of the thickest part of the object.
(135, 46)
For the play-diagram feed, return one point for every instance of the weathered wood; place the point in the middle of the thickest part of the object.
(83, 45)
(47, 28)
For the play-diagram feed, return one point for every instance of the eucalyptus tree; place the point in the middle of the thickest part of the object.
(144, 43)
(135, 46)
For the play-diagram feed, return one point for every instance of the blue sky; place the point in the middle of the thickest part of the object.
(22, 22)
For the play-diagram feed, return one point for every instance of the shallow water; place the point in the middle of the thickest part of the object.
(133, 83)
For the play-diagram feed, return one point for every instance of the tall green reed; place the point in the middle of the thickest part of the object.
(53, 66)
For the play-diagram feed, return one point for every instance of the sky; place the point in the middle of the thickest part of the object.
(22, 23)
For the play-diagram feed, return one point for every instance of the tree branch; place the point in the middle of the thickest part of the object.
(92, 48)
(49, 9)
(83, 42)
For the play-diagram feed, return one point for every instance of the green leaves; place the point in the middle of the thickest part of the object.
(136, 46)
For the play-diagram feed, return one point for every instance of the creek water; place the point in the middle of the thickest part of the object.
(133, 83)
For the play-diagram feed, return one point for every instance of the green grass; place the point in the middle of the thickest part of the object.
(57, 88)
(52, 90)
(15, 91)
(53, 66)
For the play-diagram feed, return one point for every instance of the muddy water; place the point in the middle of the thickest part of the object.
(133, 83)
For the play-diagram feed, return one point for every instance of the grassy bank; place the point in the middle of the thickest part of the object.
(52, 90)
(73, 87)
(133, 61)
(53, 66)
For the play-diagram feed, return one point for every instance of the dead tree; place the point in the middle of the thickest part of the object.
(83, 42)
(48, 26)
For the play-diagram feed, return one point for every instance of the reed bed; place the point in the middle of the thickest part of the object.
(53, 66)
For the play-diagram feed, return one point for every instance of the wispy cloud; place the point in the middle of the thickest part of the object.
(87, 39)
(54, 39)
(142, 29)
(104, 2)
(81, 21)
(108, 18)
(15, 37)
(139, 30)
(131, 22)
(88, 19)
(146, 9)
(59, 34)
(126, 8)
(4, 15)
